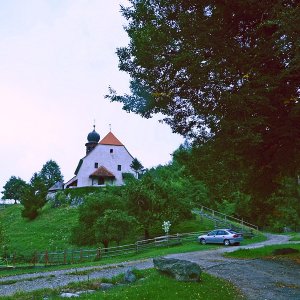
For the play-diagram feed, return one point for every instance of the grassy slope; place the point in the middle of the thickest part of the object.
(266, 252)
(50, 231)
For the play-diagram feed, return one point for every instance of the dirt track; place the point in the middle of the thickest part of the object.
(258, 279)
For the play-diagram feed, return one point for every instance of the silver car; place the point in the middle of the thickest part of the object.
(221, 236)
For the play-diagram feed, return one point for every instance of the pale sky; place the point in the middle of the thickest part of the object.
(57, 59)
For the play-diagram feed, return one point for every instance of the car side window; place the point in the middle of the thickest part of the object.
(222, 232)
(213, 232)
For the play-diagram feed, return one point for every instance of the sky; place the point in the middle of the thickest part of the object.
(57, 60)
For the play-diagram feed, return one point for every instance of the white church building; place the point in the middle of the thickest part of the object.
(105, 162)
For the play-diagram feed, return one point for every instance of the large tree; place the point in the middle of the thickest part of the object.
(220, 70)
(50, 173)
(13, 188)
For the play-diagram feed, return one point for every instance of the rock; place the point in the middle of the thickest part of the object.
(129, 277)
(106, 286)
(181, 270)
(68, 295)
(85, 292)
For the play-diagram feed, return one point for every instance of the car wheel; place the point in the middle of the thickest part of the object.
(203, 241)
(226, 243)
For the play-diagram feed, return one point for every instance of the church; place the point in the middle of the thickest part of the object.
(105, 163)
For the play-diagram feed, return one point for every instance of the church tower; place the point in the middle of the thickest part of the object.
(93, 140)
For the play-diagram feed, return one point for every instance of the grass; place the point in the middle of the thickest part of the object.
(153, 286)
(188, 247)
(266, 252)
(50, 231)
(295, 236)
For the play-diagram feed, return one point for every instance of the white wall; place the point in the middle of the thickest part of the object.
(101, 155)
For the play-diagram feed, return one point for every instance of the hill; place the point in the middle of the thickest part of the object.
(52, 228)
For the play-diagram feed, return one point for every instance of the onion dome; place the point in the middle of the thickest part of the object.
(93, 137)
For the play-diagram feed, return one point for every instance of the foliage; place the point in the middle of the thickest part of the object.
(114, 225)
(13, 188)
(136, 166)
(34, 197)
(162, 194)
(91, 210)
(50, 173)
(224, 72)
(284, 206)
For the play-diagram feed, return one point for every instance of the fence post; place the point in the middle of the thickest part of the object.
(34, 258)
(72, 258)
(46, 258)
(65, 257)
(136, 247)
(14, 259)
(98, 253)
(81, 255)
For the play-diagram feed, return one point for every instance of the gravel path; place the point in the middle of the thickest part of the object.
(258, 279)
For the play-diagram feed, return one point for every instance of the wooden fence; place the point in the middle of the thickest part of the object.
(89, 255)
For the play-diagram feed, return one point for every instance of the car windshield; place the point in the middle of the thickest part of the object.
(231, 231)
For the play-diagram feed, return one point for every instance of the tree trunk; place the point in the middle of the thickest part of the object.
(105, 243)
(146, 233)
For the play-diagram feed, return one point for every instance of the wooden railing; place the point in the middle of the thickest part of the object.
(218, 216)
(89, 255)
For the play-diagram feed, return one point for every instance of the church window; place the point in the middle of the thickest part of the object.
(119, 167)
(96, 165)
(111, 151)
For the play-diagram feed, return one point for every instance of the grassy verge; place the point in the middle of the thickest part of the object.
(295, 236)
(153, 286)
(266, 252)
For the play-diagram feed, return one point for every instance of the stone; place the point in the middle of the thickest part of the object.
(129, 277)
(181, 270)
(68, 295)
(106, 286)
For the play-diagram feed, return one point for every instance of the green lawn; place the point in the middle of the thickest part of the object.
(153, 286)
(52, 228)
(265, 252)
(50, 231)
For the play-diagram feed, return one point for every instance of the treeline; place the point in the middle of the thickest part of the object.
(32, 195)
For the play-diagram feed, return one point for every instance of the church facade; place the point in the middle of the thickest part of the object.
(105, 163)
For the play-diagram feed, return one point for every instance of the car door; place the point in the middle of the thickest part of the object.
(221, 236)
(211, 236)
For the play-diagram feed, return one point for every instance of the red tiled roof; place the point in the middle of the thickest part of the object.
(102, 172)
(110, 139)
